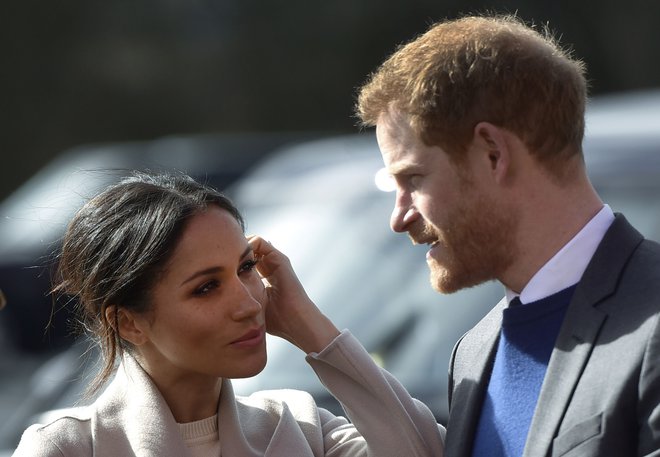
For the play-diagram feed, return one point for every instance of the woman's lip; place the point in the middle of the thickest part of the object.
(252, 338)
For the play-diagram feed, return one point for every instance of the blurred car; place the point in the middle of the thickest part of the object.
(326, 205)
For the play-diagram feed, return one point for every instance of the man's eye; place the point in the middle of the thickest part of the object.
(415, 179)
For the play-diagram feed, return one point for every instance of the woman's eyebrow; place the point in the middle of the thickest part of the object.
(247, 252)
(203, 272)
(216, 269)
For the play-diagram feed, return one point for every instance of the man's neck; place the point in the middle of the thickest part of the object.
(549, 218)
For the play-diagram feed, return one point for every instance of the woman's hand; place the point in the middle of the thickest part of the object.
(290, 313)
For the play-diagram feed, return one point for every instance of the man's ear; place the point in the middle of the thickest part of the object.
(492, 142)
(131, 327)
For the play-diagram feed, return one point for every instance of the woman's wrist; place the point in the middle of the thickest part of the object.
(314, 333)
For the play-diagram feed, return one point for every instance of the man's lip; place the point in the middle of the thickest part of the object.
(429, 241)
(250, 338)
(421, 238)
(423, 241)
(432, 248)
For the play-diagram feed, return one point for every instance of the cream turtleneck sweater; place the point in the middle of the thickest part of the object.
(202, 437)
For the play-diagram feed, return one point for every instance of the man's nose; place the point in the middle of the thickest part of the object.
(403, 215)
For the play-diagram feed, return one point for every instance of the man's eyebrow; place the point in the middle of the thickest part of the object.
(403, 168)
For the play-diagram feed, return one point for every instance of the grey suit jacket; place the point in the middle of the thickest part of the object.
(601, 392)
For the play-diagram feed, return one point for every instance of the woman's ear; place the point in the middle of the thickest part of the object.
(129, 326)
(495, 148)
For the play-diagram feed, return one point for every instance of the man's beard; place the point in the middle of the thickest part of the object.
(477, 243)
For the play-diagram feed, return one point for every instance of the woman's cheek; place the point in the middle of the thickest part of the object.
(258, 290)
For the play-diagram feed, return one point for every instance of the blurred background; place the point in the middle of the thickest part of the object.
(87, 71)
(257, 99)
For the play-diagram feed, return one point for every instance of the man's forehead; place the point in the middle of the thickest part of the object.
(394, 119)
(393, 131)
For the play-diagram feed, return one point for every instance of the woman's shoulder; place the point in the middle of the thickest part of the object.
(59, 433)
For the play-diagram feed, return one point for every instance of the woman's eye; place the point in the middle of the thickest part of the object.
(247, 266)
(206, 287)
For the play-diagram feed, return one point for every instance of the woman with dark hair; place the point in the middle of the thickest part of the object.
(179, 300)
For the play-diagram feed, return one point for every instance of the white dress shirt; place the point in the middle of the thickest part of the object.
(567, 266)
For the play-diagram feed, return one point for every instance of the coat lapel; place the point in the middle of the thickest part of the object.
(578, 334)
(256, 426)
(132, 418)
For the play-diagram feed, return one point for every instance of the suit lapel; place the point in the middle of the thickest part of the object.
(578, 334)
(573, 348)
(472, 370)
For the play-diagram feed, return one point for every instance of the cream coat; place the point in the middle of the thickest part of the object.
(131, 418)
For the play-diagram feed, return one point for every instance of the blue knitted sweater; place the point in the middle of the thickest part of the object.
(526, 341)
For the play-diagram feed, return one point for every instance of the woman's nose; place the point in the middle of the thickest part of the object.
(247, 304)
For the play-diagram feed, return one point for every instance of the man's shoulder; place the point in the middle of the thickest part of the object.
(478, 339)
(651, 250)
(643, 264)
(623, 256)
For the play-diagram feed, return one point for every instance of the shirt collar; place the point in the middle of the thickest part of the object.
(566, 267)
